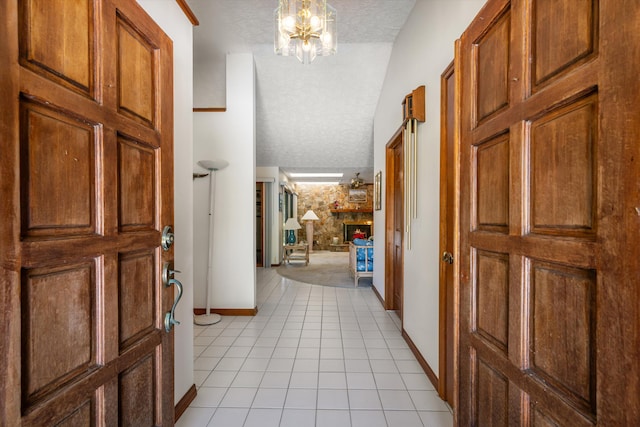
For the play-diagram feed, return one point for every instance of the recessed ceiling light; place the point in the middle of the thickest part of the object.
(316, 175)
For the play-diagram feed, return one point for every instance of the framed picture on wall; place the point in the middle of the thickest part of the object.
(377, 191)
(357, 195)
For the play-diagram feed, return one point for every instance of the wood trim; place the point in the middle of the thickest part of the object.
(10, 249)
(210, 110)
(421, 360)
(184, 403)
(228, 311)
(457, 102)
(187, 11)
(444, 171)
(375, 291)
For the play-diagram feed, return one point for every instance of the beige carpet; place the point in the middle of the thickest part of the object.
(325, 268)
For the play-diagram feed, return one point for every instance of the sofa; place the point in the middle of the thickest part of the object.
(360, 259)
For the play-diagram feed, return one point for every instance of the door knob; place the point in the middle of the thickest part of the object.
(447, 257)
(167, 238)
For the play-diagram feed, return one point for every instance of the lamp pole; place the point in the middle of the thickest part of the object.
(310, 216)
(309, 226)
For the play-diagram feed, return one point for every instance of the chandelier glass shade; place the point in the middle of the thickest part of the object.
(305, 28)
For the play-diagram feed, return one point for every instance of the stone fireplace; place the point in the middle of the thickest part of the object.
(328, 231)
(351, 228)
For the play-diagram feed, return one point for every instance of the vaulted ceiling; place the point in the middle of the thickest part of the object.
(316, 117)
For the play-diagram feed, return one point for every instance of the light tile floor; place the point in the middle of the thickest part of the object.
(312, 356)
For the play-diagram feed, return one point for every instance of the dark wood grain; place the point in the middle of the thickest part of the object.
(549, 319)
(87, 184)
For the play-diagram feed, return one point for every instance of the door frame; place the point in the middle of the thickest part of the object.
(448, 226)
(396, 140)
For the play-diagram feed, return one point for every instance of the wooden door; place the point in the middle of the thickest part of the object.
(394, 263)
(549, 313)
(86, 188)
(447, 224)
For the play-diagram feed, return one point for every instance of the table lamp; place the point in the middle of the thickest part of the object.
(310, 216)
(290, 226)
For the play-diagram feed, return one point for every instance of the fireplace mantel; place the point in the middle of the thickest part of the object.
(365, 210)
(351, 210)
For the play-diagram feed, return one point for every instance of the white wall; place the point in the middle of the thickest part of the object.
(230, 136)
(423, 49)
(169, 16)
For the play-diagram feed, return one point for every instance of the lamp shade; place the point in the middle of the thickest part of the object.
(310, 216)
(292, 224)
(213, 165)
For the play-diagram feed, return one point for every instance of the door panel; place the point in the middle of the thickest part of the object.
(563, 179)
(56, 307)
(394, 222)
(492, 185)
(58, 161)
(542, 193)
(136, 296)
(92, 147)
(492, 62)
(135, 73)
(137, 185)
(50, 53)
(577, 27)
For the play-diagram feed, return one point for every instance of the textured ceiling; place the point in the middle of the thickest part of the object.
(308, 117)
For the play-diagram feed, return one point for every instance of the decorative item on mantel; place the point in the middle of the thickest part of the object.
(290, 226)
(310, 216)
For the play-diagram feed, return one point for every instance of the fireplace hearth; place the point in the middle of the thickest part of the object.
(353, 230)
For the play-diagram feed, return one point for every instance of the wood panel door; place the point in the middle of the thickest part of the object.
(447, 238)
(549, 313)
(86, 188)
(394, 262)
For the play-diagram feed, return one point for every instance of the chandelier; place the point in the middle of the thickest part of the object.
(305, 28)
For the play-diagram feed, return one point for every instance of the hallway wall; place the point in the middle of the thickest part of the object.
(228, 135)
(423, 49)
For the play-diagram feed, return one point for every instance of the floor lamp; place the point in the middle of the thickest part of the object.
(310, 216)
(212, 165)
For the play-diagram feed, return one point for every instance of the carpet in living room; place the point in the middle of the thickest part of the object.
(325, 268)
